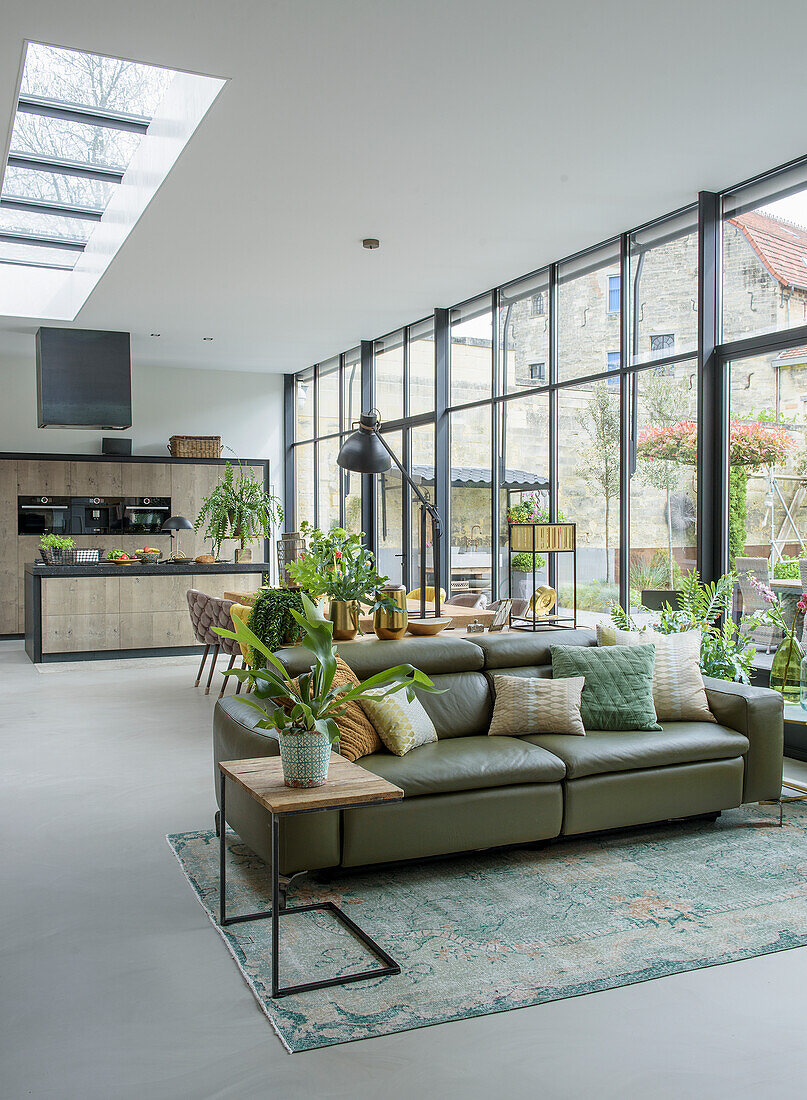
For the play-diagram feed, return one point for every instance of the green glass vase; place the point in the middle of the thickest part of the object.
(786, 670)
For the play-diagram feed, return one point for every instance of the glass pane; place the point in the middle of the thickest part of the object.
(421, 368)
(304, 482)
(524, 334)
(70, 76)
(45, 225)
(328, 397)
(523, 474)
(54, 187)
(470, 509)
(662, 305)
(664, 405)
(329, 485)
(304, 405)
(589, 297)
(351, 482)
(767, 459)
(36, 254)
(389, 503)
(765, 257)
(588, 495)
(352, 388)
(389, 377)
(422, 442)
(76, 141)
(471, 352)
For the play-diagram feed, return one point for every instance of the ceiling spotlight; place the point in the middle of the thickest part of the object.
(207, 337)
(155, 334)
(370, 242)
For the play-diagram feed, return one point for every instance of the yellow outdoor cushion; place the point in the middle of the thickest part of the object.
(241, 611)
(415, 594)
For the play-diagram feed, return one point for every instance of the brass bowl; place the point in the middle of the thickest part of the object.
(427, 627)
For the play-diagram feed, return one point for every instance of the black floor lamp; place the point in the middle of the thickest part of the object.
(367, 452)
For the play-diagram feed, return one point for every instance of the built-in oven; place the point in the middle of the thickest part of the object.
(43, 515)
(145, 515)
(96, 515)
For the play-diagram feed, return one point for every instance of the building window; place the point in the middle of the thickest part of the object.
(613, 365)
(538, 305)
(613, 293)
(537, 372)
(662, 345)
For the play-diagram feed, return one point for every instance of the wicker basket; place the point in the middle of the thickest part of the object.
(87, 556)
(195, 446)
(150, 558)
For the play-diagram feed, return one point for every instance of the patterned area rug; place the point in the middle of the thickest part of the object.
(500, 930)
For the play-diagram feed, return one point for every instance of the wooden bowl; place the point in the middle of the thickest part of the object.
(427, 627)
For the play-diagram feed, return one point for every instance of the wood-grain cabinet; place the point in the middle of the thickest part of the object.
(186, 483)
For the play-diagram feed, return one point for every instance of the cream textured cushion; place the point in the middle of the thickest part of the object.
(527, 705)
(678, 691)
(401, 725)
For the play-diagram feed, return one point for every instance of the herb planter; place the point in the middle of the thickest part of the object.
(305, 758)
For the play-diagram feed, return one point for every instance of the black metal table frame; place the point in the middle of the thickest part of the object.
(279, 908)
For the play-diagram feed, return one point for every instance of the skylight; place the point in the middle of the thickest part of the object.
(92, 139)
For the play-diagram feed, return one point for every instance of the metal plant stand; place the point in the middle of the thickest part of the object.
(535, 539)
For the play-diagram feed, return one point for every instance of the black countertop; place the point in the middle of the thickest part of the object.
(142, 569)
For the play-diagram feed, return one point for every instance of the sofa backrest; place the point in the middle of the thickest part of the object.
(451, 662)
(526, 652)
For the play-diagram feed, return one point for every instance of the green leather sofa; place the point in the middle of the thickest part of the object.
(469, 791)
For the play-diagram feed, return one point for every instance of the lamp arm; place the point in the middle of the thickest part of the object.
(427, 504)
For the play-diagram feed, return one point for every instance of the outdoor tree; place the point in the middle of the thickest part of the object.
(599, 457)
(663, 397)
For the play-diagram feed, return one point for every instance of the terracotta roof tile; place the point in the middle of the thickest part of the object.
(781, 245)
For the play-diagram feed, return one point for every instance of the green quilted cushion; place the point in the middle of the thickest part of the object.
(618, 694)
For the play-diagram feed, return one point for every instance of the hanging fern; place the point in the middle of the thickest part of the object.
(238, 508)
(271, 621)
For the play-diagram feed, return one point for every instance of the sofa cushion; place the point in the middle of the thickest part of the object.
(464, 708)
(467, 764)
(525, 647)
(628, 750)
(369, 655)
(619, 684)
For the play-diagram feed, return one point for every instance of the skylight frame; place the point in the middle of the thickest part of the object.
(179, 99)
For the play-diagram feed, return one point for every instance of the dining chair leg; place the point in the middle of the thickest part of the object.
(212, 669)
(202, 665)
(224, 678)
(240, 684)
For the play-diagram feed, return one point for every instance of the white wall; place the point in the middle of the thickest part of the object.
(245, 409)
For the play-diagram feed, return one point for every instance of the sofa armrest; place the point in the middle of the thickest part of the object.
(235, 733)
(757, 713)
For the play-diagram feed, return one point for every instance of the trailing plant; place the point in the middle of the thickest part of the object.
(786, 569)
(311, 704)
(271, 621)
(337, 565)
(57, 542)
(238, 508)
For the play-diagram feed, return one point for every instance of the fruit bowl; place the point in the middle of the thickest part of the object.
(149, 557)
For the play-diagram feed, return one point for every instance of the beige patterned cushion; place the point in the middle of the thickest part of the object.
(401, 725)
(678, 691)
(527, 705)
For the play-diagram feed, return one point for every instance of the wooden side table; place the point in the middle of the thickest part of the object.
(348, 786)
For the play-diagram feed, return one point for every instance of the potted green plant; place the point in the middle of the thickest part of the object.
(271, 620)
(305, 712)
(339, 566)
(522, 582)
(57, 549)
(238, 508)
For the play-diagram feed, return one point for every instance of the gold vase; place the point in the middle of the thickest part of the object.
(344, 614)
(390, 625)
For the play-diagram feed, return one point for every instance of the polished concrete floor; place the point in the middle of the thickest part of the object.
(114, 985)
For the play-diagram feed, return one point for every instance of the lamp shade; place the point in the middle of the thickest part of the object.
(177, 523)
(363, 451)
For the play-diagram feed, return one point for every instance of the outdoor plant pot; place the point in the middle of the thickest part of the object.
(305, 758)
(344, 614)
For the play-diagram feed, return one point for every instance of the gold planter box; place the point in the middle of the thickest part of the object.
(541, 537)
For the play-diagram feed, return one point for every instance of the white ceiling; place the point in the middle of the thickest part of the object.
(476, 140)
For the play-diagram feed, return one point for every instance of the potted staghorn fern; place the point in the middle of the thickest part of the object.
(305, 712)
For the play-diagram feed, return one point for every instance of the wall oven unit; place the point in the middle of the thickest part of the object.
(96, 515)
(43, 515)
(145, 515)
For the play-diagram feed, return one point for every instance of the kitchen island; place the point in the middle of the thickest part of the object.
(92, 612)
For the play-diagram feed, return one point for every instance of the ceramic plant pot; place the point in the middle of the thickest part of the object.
(390, 625)
(305, 758)
(786, 670)
(244, 555)
(344, 614)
